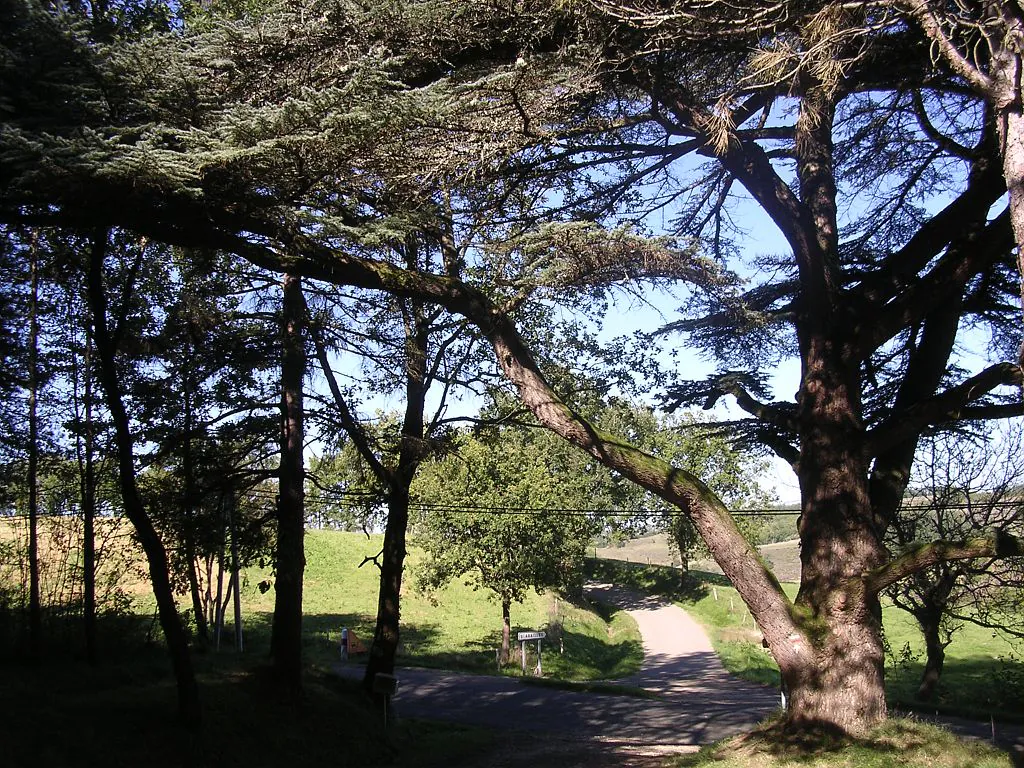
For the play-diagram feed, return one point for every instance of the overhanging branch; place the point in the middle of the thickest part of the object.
(996, 544)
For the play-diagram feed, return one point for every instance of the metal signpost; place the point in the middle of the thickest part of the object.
(524, 638)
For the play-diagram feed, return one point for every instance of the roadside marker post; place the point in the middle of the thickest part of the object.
(524, 638)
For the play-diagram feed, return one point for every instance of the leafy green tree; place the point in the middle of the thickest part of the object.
(205, 405)
(506, 510)
(407, 347)
(339, 493)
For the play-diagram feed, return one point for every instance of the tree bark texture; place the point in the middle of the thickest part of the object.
(174, 633)
(844, 685)
(290, 560)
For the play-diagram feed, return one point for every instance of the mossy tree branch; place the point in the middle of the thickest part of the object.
(996, 544)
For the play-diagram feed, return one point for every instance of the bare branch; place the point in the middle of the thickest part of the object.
(944, 407)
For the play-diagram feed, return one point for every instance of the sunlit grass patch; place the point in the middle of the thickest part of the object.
(898, 743)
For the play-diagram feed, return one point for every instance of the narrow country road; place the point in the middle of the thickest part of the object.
(694, 700)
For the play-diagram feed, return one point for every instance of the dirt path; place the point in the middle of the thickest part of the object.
(679, 660)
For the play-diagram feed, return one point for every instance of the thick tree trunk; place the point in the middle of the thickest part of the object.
(1012, 136)
(286, 633)
(156, 555)
(839, 684)
(936, 656)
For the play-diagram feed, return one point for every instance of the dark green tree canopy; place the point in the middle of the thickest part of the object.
(536, 145)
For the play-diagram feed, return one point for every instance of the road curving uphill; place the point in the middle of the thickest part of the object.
(694, 700)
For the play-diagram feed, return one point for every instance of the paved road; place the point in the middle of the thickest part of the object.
(694, 701)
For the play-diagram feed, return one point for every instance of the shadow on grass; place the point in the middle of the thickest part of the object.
(977, 688)
(322, 640)
(598, 658)
(121, 711)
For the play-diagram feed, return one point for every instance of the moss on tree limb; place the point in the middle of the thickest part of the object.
(995, 544)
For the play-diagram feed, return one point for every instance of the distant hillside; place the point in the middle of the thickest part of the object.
(783, 557)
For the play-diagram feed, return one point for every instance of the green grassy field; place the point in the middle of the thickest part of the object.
(454, 628)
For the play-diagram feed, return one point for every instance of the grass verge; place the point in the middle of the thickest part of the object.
(899, 743)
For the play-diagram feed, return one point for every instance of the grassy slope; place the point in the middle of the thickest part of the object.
(783, 557)
(455, 628)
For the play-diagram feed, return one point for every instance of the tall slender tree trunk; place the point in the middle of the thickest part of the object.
(386, 635)
(506, 631)
(89, 509)
(188, 505)
(189, 710)
(286, 635)
(237, 592)
(35, 608)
